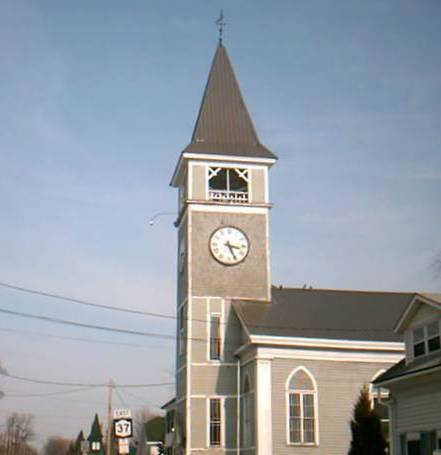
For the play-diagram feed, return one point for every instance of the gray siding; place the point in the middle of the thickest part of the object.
(199, 420)
(213, 380)
(418, 404)
(425, 314)
(249, 279)
(199, 182)
(338, 386)
(258, 186)
(230, 422)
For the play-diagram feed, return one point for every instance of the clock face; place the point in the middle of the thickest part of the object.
(229, 245)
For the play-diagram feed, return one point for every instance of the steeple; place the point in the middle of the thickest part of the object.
(224, 126)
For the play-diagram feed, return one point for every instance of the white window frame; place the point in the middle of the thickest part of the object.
(425, 338)
(222, 421)
(95, 446)
(221, 336)
(243, 171)
(314, 394)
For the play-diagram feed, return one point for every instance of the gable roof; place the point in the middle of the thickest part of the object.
(223, 125)
(434, 300)
(323, 313)
(401, 370)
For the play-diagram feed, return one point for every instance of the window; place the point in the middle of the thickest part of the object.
(215, 337)
(228, 184)
(302, 418)
(181, 330)
(426, 339)
(95, 446)
(215, 422)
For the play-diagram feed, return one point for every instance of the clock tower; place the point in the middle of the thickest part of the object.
(223, 255)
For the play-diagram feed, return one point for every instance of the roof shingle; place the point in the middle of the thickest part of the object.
(322, 313)
(224, 126)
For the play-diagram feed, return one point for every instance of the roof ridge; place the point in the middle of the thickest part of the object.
(365, 291)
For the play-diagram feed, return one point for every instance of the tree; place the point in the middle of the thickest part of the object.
(55, 445)
(17, 435)
(367, 437)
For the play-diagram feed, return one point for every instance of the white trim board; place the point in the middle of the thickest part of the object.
(227, 158)
(328, 343)
(331, 355)
(242, 209)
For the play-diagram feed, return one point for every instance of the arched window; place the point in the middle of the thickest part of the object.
(302, 407)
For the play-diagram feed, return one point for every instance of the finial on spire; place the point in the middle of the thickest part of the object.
(221, 24)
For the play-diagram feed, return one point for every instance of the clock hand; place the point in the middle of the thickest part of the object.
(230, 247)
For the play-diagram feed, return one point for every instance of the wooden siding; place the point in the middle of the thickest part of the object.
(199, 182)
(338, 387)
(258, 186)
(418, 404)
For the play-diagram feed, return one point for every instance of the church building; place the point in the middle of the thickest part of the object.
(260, 370)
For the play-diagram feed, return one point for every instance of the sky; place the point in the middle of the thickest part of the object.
(97, 101)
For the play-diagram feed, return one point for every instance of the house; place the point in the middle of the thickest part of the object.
(259, 369)
(414, 383)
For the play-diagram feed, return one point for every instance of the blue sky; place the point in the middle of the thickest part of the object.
(98, 99)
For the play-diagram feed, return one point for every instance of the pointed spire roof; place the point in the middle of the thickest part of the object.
(95, 431)
(224, 126)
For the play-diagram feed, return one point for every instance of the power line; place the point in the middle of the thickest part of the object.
(165, 316)
(78, 384)
(83, 302)
(86, 340)
(87, 326)
(65, 392)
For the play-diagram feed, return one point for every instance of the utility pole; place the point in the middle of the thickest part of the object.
(109, 419)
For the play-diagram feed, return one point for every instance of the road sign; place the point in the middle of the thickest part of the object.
(123, 428)
(123, 446)
(122, 414)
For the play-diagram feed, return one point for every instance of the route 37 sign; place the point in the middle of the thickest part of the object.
(123, 428)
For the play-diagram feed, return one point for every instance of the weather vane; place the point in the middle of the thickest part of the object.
(221, 24)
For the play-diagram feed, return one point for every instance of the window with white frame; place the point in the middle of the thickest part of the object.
(215, 422)
(426, 339)
(302, 418)
(215, 336)
(228, 184)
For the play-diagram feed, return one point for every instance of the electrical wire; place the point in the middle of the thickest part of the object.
(165, 316)
(86, 340)
(83, 302)
(87, 326)
(78, 384)
(65, 392)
